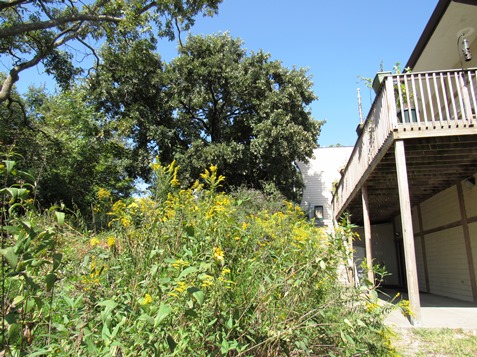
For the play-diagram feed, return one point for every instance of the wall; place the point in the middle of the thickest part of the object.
(446, 266)
(384, 250)
(318, 176)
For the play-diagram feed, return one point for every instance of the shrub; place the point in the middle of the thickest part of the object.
(199, 272)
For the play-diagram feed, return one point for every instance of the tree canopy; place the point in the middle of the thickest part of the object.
(214, 104)
(52, 32)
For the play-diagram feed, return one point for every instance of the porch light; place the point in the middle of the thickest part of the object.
(466, 50)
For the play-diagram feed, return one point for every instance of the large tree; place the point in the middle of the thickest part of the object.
(214, 104)
(51, 32)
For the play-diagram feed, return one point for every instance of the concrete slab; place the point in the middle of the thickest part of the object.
(436, 312)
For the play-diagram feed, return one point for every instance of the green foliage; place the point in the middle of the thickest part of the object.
(68, 149)
(31, 264)
(32, 32)
(215, 103)
(186, 272)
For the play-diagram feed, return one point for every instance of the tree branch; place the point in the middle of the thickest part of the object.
(13, 76)
(20, 29)
(5, 5)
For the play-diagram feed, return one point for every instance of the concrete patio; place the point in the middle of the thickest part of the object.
(437, 312)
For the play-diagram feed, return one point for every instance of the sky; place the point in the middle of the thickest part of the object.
(336, 40)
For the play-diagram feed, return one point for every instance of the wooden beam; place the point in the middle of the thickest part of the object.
(367, 233)
(423, 248)
(468, 245)
(407, 234)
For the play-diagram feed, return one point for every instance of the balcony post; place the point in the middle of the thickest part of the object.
(367, 233)
(407, 233)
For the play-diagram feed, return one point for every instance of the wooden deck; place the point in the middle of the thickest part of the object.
(434, 114)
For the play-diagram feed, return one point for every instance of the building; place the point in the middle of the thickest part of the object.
(410, 182)
(320, 175)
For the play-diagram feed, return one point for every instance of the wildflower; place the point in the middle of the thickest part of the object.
(103, 194)
(207, 280)
(181, 287)
(94, 241)
(118, 206)
(133, 206)
(126, 221)
(147, 299)
(111, 241)
(179, 263)
(225, 271)
(219, 254)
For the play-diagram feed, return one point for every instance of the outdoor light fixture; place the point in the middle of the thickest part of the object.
(466, 50)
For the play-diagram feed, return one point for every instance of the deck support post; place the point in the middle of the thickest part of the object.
(407, 233)
(367, 233)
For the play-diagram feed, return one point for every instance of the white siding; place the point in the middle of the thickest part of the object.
(441, 209)
(473, 244)
(318, 176)
(447, 264)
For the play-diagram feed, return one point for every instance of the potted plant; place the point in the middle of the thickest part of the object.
(404, 98)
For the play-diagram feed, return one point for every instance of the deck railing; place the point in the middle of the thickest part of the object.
(421, 101)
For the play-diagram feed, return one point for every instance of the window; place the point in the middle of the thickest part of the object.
(318, 215)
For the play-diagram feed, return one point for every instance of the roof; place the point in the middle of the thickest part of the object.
(432, 25)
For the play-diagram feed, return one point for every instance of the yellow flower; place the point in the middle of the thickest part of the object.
(103, 194)
(94, 241)
(147, 299)
(179, 263)
(111, 241)
(126, 221)
(207, 280)
(219, 254)
(225, 271)
(181, 287)
(133, 206)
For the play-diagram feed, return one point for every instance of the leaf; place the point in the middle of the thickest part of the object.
(57, 257)
(191, 313)
(164, 311)
(108, 304)
(18, 299)
(50, 280)
(190, 231)
(187, 271)
(60, 217)
(199, 296)
(147, 318)
(9, 164)
(172, 344)
(10, 256)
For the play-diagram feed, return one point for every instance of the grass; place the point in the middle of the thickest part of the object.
(436, 342)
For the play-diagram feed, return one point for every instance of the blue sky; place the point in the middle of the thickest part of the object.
(336, 40)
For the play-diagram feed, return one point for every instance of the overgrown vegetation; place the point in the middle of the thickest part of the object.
(178, 272)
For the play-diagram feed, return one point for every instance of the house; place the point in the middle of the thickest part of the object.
(410, 181)
(320, 175)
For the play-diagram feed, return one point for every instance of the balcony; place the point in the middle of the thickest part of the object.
(434, 113)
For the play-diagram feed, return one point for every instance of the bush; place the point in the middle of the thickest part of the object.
(198, 272)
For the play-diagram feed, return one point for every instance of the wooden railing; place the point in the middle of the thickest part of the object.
(412, 101)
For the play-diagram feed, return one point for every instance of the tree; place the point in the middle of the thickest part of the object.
(50, 32)
(215, 104)
(67, 148)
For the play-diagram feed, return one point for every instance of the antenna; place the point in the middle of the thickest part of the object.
(360, 107)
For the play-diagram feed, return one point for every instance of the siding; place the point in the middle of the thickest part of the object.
(441, 209)
(473, 243)
(318, 176)
(447, 264)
